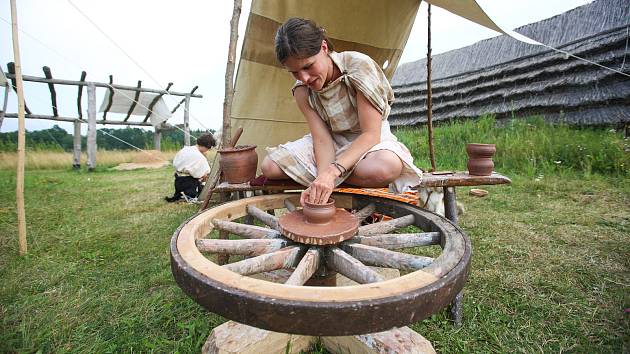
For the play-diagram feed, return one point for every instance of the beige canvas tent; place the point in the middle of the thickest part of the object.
(262, 102)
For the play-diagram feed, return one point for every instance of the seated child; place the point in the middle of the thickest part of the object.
(191, 168)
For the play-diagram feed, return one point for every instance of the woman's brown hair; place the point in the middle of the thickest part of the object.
(299, 38)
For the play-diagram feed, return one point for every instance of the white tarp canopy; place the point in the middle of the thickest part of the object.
(124, 99)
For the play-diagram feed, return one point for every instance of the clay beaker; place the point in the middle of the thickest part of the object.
(238, 163)
(480, 159)
(320, 214)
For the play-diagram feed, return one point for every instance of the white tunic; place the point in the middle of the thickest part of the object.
(191, 161)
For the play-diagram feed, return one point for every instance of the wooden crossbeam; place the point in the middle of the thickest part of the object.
(397, 241)
(306, 268)
(155, 101)
(365, 212)
(244, 230)
(269, 220)
(53, 93)
(247, 248)
(135, 101)
(80, 93)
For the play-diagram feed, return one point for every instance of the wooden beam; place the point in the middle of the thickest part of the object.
(397, 241)
(385, 227)
(450, 204)
(261, 215)
(379, 257)
(99, 84)
(53, 93)
(244, 230)
(155, 101)
(429, 93)
(91, 134)
(11, 75)
(21, 148)
(135, 101)
(284, 258)
(111, 96)
(350, 267)
(70, 119)
(306, 268)
(80, 93)
(247, 248)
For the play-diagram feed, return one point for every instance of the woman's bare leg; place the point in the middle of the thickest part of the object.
(271, 170)
(376, 169)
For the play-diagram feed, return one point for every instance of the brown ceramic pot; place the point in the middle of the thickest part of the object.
(480, 159)
(238, 163)
(319, 213)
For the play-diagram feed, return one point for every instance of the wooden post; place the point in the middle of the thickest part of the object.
(91, 134)
(229, 72)
(76, 146)
(4, 105)
(21, 149)
(429, 93)
(186, 121)
(157, 139)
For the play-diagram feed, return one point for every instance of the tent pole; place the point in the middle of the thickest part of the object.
(229, 74)
(429, 92)
(19, 193)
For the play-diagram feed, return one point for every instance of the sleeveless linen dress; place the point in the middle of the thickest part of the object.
(336, 105)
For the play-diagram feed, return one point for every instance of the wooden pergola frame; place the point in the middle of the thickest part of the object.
(92, 120)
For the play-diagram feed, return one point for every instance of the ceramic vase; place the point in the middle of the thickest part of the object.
(319, 213)
(238, 163)
(480, 159)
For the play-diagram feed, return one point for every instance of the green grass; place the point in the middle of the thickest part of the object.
(550, 268)
(525, 146)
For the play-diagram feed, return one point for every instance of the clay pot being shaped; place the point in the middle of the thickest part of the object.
(480, 159)
(238, 163)
(320, 214)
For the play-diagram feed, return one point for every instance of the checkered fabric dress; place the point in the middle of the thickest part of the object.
(336, 104)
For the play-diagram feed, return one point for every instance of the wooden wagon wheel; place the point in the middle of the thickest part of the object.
(372, 306)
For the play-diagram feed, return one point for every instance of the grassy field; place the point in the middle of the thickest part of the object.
(550, 269)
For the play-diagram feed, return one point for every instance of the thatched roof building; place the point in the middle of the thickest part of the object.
(509, 78)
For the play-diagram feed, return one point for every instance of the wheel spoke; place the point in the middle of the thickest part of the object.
(350, 267)
(284, 258)
(261, 215)
(396, 241)
(248, 248)
(245, 231)
(290, 206)
(379, 257)
(384, 227)
(365, 212)
(306, 268)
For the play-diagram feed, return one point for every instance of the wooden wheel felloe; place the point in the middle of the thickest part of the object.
(374, 305)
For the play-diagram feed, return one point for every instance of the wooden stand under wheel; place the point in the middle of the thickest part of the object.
(287, 304)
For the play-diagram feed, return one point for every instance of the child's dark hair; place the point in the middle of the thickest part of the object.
(206, 140)
(299, 38)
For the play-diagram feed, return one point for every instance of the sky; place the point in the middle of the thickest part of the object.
(184, 42)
